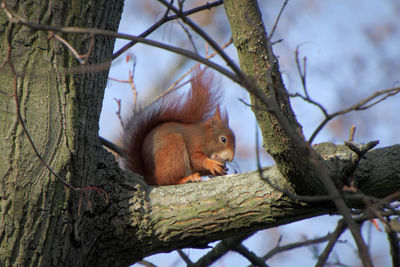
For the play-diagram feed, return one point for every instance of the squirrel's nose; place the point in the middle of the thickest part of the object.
(224, 155)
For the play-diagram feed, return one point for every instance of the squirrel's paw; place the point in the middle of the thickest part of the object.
(195, 177)
(215, 167)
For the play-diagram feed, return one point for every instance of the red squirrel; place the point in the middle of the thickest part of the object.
(178, 139)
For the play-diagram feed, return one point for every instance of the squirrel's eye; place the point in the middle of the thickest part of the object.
(223, 139)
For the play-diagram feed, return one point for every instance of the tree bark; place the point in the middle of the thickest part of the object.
(42, 223)
(224, 206)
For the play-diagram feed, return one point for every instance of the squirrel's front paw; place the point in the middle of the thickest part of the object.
(215, 167)
(195, 177)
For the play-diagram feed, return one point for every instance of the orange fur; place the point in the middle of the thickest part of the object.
(174, 141)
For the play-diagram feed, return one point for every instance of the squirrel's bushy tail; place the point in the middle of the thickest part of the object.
(199, 104)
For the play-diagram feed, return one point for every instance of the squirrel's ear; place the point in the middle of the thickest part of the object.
(218, 118)
(217, 115)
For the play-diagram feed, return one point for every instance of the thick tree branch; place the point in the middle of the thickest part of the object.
(193, 215)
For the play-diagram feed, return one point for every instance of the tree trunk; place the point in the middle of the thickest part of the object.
(42, 223)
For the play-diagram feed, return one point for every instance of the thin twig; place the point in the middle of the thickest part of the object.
(131, 82)
(251, 256)
(362, 105)
(352, 132)
(170, 48)
(184, 257)
(278, 249)
(162, 21)
(341, 226)
(174, 85)
(206, 37)
(219, 250)
(277, 19)
(302, 72)
(118, 112)
(311, 101)
(190, 37)
(83, 59)
(147, 263)
(303, 75)
(111, 146)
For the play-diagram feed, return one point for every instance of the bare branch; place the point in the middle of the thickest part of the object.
(245, 252)
(94, 31)
(362, 105)
(302, 74)
(277, 19)
(118, 112)
(278, 249)
(64, 42)
(147, 263)
(184, 257)
(162, 21)
(352, 132)
(206, 37)
(219, 250)
(189, 36)
(341, 226)
(130, 81)
(174, 85)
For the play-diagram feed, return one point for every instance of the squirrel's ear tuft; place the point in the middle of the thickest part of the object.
(221, 117)
(216, 119)
(217, 115)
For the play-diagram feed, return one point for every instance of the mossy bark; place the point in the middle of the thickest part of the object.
(195, 214)
(39, 218)
(260, 65)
